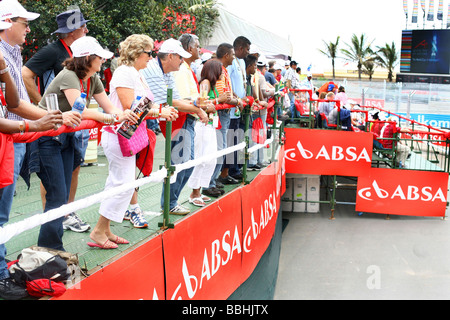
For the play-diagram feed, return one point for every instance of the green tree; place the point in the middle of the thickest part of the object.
(369, 68)
(331, 52)
(387, 57)
(111, 21)
(358, 51)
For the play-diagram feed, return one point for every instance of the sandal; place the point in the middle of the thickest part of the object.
(120, 240)
(205, 198)
(107, 245)
(197, 202)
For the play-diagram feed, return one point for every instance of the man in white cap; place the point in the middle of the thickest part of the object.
(8, 74)
(159, 77)
(45, 64)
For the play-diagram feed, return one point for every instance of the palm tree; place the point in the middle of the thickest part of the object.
(331, 51)
(387, 57)
(369, 68)
(358, 51)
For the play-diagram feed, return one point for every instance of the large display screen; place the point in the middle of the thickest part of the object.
(425, 51)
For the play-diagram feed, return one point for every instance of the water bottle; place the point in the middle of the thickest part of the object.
(135, 103)
(80, 103)
(140, 107)
(237, 112)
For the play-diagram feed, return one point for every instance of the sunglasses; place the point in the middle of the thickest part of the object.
(148, 52)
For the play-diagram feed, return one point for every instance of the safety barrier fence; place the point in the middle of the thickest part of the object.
(429, 146)
(415, 148)
(167, 174)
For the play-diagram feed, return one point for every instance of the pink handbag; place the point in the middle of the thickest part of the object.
(137, 142)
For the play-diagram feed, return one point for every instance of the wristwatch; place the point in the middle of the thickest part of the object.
(22, 127)
(4, 70)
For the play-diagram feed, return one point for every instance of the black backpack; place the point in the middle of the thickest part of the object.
(54, 269)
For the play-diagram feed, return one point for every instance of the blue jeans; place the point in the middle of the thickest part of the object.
(56, 166)
(182, 151)
(235, 136)
(224, 117)
(81, 139)
(152, 124)
(294, 113)
(7, 200)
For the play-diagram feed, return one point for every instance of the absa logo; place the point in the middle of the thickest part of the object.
(409, 193)
(337, 153)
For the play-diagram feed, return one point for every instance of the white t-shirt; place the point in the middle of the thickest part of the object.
(128, 77)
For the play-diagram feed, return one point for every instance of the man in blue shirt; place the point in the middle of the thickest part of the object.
(239, 84)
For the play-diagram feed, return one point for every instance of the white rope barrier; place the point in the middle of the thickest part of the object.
(11, 230)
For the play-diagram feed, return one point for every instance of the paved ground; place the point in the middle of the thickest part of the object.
(363, 257)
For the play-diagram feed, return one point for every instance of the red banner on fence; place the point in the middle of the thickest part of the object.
(260, 212)
(412, 193)
(328, 152)
(203, 253)
(137, 275)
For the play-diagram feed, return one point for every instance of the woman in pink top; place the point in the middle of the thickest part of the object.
(342, 96)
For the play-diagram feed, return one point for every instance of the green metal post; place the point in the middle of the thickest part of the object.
(333, 198)
(170, 169)
(246, 114)
(274, 125)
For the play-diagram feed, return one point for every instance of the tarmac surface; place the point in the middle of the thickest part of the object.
(363, 257)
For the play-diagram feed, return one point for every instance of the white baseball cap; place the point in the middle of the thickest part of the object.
(13, 9)
(86, 46)
(5, 25)
(174, 46)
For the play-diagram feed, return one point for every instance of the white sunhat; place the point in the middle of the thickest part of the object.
(174, 46)
(86, 46)
(5, 25)
(206, 56)
(10, 9)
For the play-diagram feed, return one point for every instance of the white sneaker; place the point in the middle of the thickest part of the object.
(74, 223)
(179, 210)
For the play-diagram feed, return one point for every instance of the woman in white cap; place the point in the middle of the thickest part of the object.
(57, 155)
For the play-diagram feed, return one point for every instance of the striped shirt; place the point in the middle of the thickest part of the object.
(13, 58)
(292, 76)
(221, 85)
(159, 82)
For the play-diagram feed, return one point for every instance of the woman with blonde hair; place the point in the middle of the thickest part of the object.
(126, 85)
(58, 156)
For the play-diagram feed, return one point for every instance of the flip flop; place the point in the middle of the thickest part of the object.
(205, 198)
(197, 202)
(120, 240)
(107, 245)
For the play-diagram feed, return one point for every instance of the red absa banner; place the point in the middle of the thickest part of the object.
(203, 254)
(260, 205)
(214, 251)
(403, 192)
(321, 152)
(137, 275)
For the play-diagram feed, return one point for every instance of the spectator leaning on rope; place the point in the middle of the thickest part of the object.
(159, 76)
(225, 54)
(12, 38)
(126, 85)
(56, 156)
(8, 288)
(235, 133)
(46, 65)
